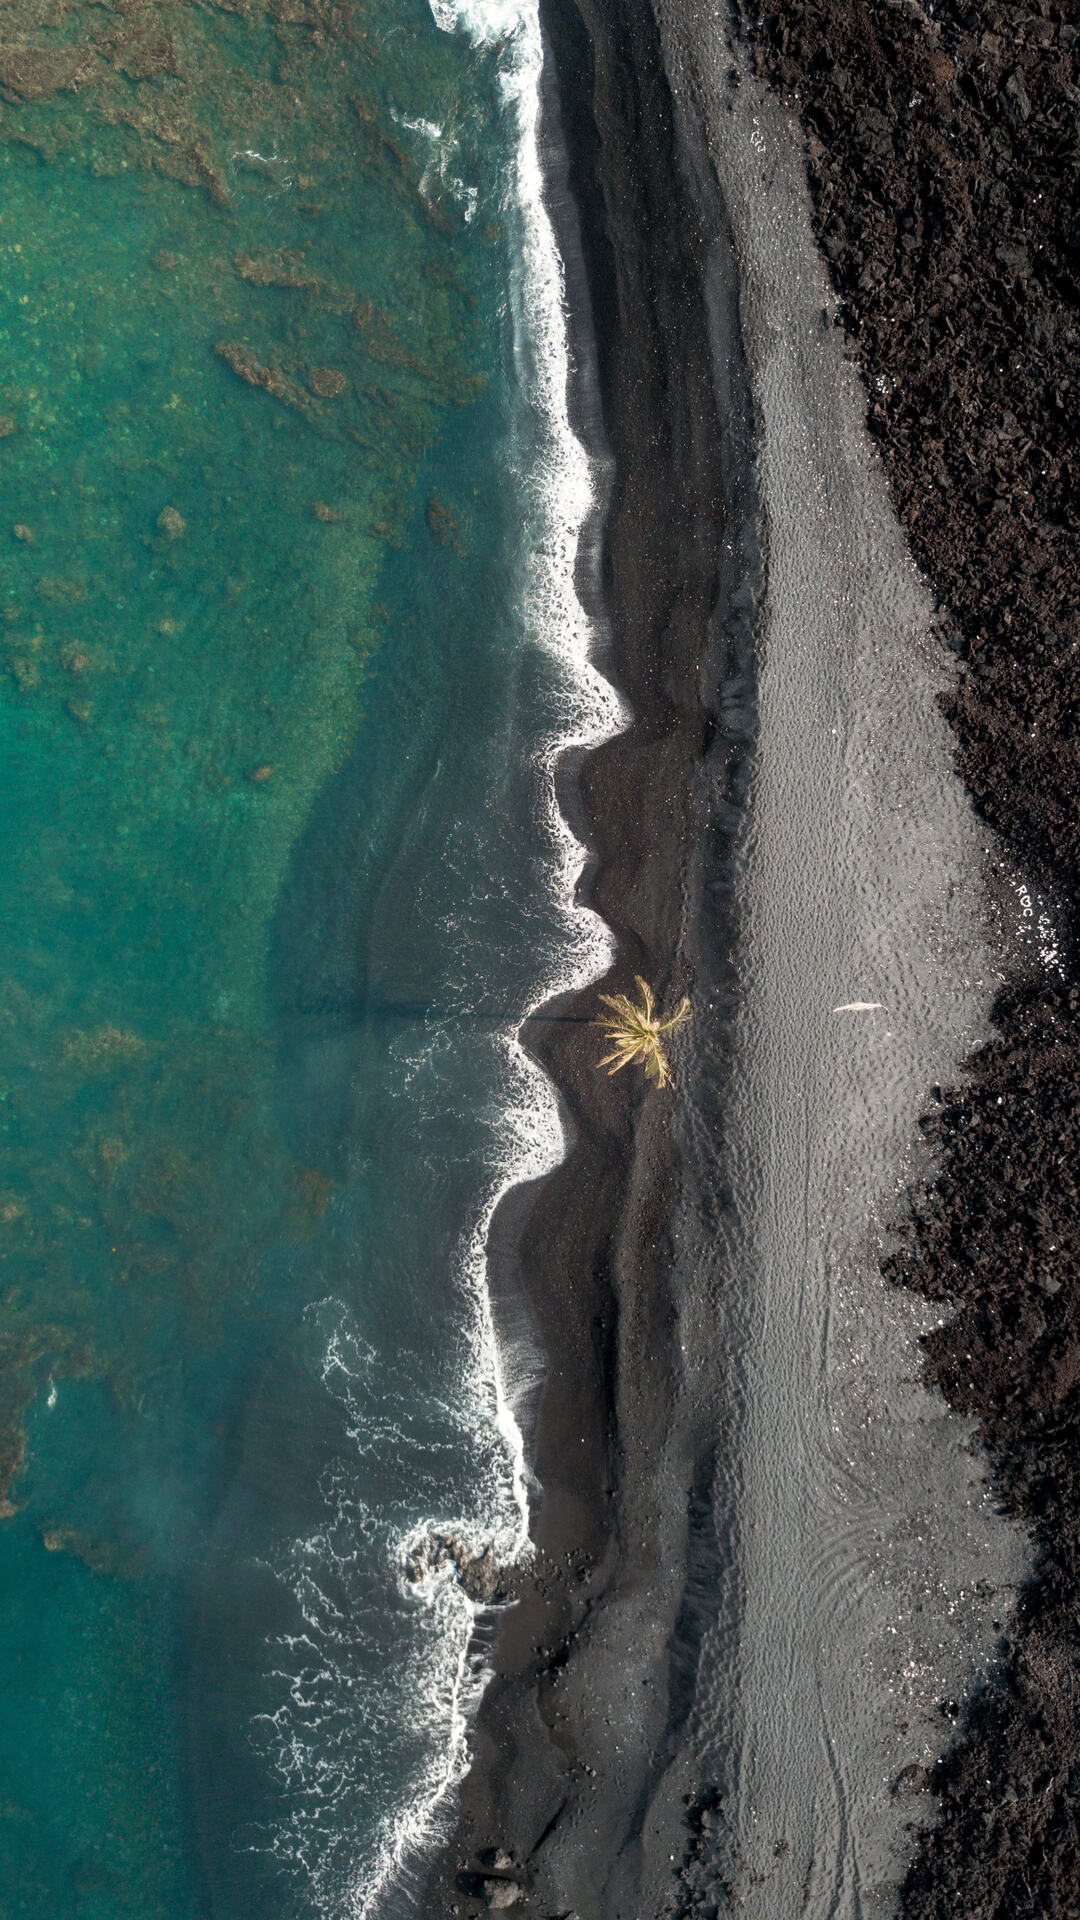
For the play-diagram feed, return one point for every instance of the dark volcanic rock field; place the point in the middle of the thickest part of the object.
(944, 159)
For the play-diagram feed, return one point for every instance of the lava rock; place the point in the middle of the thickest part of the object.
(501, 1893)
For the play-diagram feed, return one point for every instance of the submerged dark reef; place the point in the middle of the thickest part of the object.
(255, 405)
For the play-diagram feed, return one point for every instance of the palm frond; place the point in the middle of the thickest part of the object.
(636, 1033)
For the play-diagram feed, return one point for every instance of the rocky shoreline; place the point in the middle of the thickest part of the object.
(944, 161)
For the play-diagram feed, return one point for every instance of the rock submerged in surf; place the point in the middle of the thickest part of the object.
(171, 523)
(35, 73)
(327, 382)
(479, 1574)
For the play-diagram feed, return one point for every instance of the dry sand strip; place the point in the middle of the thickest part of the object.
(945, 170)
(870, 1569)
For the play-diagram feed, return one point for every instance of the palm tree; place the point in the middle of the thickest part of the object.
(637, 1034)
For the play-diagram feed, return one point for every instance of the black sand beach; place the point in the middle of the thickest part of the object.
(943, 163)
(593, 1253)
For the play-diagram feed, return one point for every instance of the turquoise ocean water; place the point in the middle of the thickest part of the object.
(288, 508)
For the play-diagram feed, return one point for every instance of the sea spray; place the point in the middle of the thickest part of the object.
(310, 1735)
(557, 490)
(558, 493)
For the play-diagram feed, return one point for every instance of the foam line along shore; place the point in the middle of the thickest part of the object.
(592, 1247)
(557, 481)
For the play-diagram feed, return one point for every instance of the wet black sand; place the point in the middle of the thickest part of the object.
(592, 1252)
(943, 159)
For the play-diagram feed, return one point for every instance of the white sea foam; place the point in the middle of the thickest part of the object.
(308, 1737)
(415, 123)
(559, 490)
(559, 493)
(334, 1577)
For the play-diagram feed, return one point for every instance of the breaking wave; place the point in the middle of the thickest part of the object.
(361, 1580)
